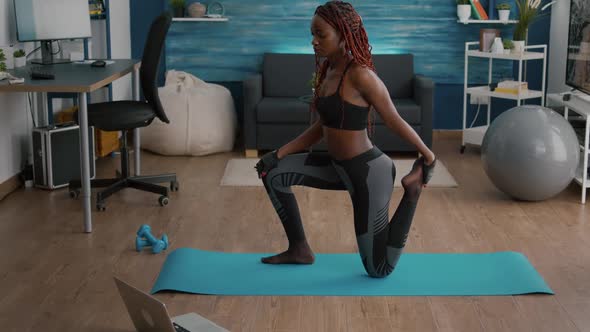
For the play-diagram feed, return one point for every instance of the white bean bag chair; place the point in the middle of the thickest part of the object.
(202, 118)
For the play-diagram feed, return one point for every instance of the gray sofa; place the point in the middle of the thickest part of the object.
(274, 114)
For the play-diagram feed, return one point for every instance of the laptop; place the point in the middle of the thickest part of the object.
(149, 314)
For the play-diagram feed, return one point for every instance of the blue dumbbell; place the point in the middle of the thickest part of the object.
(143, 229)
(150, 240)
(160, 245)
(140, 243)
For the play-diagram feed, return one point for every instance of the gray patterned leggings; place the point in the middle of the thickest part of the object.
(369, 179)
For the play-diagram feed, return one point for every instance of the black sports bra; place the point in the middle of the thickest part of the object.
(336, 112)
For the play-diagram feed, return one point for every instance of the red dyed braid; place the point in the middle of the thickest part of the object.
(345, 19)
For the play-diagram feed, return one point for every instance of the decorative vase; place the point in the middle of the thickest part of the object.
(215, 9)
(503, 14)
(518, 46)
(463, 12)
(196, 9)
(497, 46)
(20, 62)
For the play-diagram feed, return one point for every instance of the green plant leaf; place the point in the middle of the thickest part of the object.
(177, 3)
(18, 53)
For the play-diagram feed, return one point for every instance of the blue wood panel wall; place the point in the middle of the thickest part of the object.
(230, 51)
(428, 29)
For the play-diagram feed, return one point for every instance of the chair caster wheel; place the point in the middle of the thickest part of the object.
(74, 194)
(462, 149)
(163, 200)
(100, 206)
(174, 186)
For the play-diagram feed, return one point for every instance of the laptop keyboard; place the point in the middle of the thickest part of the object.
(179, 328)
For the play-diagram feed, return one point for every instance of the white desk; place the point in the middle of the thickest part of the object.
(81, 79)
(581, 107)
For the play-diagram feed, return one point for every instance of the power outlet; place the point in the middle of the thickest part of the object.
(475, 99)
(478, 100)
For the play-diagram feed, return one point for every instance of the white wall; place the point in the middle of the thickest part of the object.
(14, 127)
(558, 46)
(15, 123)
(120, 48)
(7, 27)
(121, 45)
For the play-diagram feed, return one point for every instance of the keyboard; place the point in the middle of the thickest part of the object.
(179, 328)
(40, 73)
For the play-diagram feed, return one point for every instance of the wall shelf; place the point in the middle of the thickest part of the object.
(474, 135)
(200, 19)
(526, 94)
(509, 56)
(488, 22)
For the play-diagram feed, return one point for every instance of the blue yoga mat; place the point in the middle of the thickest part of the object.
(220, 273)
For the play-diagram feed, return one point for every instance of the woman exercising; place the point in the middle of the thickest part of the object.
(346, 91)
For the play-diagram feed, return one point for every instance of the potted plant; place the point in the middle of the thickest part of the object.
(528, 11)
(463, 10)
(2, 59)
(178, 7)
(503, 11)
(19, 58)
(508, 46)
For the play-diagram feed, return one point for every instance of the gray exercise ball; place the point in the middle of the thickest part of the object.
(530, 152)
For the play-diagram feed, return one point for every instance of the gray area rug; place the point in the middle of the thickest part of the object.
(241, 172)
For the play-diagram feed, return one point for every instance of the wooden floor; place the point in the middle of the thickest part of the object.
(53, 277)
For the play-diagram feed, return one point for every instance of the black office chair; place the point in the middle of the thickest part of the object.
(128, 115)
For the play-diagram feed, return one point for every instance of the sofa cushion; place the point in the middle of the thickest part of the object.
(287, 75)
(282, 110)
(408, 109)
(274, 135)
(397, 72)
(387, 140)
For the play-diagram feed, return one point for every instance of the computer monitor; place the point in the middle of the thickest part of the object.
(49, 20)
(577, 73)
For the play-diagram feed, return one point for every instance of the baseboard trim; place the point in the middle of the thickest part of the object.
(446, 133)
(9, 186)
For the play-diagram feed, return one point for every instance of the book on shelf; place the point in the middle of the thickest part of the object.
(478, 10)
(96, 7)
(511, 87)
(513, 91)
(512, 84)
(492, 9)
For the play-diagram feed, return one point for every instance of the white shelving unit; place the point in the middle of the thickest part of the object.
(580, 106)
(474, 135)
(488, 22)
(200, 19)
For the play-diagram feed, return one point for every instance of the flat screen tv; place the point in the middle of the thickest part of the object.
(577, 73)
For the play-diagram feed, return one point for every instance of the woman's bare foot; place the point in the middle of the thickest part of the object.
(412, 182)
(300, 254)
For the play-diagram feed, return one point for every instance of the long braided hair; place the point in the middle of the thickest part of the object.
(345, 19)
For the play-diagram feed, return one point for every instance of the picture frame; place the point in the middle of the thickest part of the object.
(486, 38)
